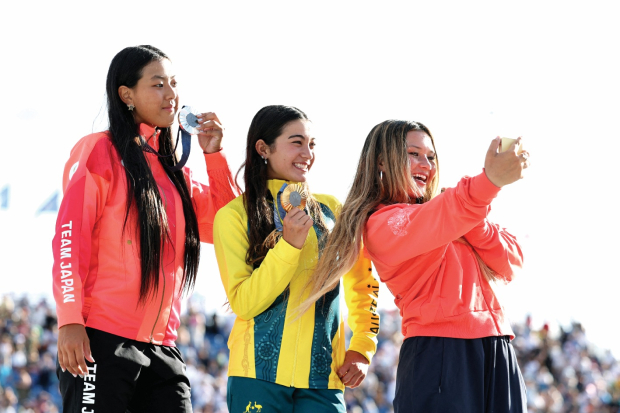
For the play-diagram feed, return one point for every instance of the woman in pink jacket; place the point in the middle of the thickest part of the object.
(438, 254)
(127, 244)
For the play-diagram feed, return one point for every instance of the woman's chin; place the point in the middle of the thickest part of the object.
(165, 122)
(298, 177)
(418, 192)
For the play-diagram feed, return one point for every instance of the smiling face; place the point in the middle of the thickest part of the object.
(154, 96)
(422, 158)
(291, 155)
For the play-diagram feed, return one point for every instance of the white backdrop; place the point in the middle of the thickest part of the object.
(468, 70)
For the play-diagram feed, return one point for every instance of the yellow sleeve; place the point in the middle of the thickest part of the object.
(361, 292)
(250, 292)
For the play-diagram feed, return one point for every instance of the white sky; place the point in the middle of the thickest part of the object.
(468, 70)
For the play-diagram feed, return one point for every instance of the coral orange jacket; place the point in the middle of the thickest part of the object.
(435, 279)
(96, 273)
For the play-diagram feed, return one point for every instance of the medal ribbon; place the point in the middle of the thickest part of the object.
(278, 211)
(186, 141)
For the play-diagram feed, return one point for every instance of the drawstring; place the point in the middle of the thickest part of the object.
(443, 352)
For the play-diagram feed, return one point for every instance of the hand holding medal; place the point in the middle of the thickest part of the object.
(188, 126)
(296, 223)
(206, 125)
(210, 132)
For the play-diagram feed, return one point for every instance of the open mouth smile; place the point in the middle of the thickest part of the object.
(420, 178)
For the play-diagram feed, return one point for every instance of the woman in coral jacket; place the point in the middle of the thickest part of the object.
(438, 255)
(127, 245)
(267, 242)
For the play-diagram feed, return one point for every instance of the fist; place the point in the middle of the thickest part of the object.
(506, 167)
(295, 227)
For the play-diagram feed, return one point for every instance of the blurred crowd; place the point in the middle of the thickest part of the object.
(563, 372)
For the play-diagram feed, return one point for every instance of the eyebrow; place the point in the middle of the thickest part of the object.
(298, 136)
(414, 146)
(162, 77)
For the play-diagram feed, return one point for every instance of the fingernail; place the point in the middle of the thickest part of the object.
(81, 375)
(63, 370)
(74, 375)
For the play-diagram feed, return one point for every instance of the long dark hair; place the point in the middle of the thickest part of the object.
(126, 70)
(267, 125)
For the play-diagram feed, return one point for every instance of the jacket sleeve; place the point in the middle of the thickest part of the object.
(400, 232)
(86, 180)
(497, 248)
(208, 199)
(250, 291)
(361, 292)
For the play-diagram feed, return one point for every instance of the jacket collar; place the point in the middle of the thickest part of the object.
(150, 135)
(274, 186)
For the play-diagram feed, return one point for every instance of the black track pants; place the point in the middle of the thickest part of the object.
(127, 375)
(437, 374)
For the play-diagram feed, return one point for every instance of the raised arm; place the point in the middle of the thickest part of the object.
(222, 188)
(497, 248)
(208, 199)
(400, 232)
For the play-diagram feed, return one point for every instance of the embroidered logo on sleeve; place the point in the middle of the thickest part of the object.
(397, 223)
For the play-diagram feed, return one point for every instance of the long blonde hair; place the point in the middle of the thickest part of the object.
(386, 143)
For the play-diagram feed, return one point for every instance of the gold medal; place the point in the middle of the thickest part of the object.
(294, 195)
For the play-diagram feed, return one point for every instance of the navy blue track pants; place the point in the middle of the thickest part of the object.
(438, 374)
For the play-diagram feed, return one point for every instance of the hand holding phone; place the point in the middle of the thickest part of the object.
(506, 143)
(505, 161)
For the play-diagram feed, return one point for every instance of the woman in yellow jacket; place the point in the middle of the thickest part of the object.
(267, 242)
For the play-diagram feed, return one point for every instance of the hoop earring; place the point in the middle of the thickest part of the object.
(131, 107)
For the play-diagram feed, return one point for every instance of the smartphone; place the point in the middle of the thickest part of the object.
(506, 143)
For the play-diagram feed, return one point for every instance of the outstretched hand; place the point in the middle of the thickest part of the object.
(354, 369)
(211, 132)
(73, 349)
(504, 168)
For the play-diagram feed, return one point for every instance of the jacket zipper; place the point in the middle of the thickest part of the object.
(295, 359)
(161, 304)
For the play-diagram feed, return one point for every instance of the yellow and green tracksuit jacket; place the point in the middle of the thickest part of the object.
(266, 341)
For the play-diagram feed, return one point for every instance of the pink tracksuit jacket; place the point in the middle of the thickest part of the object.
(96, 273)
